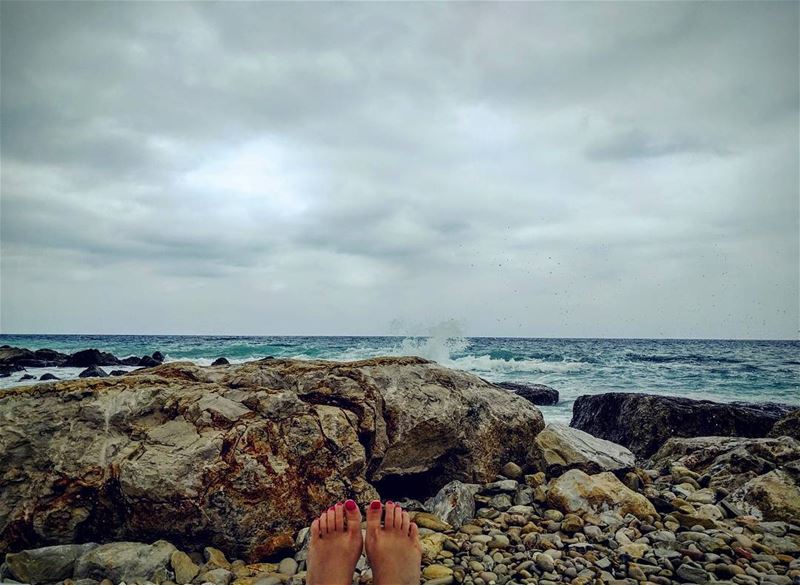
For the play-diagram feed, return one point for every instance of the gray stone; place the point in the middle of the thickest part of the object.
(454, 503)
(560, 448)
(126, 561)
(288, 566)
(47, 564)
(692, 574)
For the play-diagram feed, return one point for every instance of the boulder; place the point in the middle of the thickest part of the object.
(126, 561)
(728, 462)
(559, 448)
(148, 362)
(454, 503)
(773, 496)
(8, 369)
(644, 422)
(158, 356)
(242, 457)
(578, 493)
(788, 426)
(130, 361)
(17, 358)
(220, 361)
(45, 565)
(26, 377)
(90, 357)
(48, 376)
(536, 393)
(93, 372)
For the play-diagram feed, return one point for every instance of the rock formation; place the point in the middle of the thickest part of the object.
(536, 393)
(559, 448)
(644, 422)
(241, 457)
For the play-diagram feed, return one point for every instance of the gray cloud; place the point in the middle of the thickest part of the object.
(527, 169)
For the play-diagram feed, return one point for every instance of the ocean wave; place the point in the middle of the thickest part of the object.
(488, 364)
(689, 358)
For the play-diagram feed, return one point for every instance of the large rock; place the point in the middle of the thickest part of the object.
(559, 448)
(47, 564)
(536, 393)
(243, 456)
(771, 496)
(126, 561)
(578, 493)
(91, 357)
(25, 358)
(729, 462)
(644, 422)
(788, 426)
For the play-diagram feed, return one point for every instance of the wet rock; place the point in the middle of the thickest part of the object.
(47, 564)
(126, 561)
(644, 422)
(220, 361)
(560, 448)
(535, 393)
(15, 359)
(48, 376)
(93, 372)
(90, 357)
(148, 362)
(27, 377)
(158, 356)
(454, 503)
(577, 492)
(238, 456)
(788, 426)
(118, 372)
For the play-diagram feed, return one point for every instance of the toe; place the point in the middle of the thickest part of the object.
(405, 522)
(374, 516)
(413, 532)
(388, 517)
(331, 514)
(315, 531)
(352, 515)
(323, 523)
(398, 518)
(339, 515)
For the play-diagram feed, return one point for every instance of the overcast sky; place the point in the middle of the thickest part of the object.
(544, 169)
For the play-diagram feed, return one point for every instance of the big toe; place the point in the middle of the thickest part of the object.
(353, 516)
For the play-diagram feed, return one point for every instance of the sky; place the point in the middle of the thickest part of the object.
(609, 169)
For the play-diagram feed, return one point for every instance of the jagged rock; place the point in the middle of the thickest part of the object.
(788, 426)
(729, 462)
(93, 372)
(220, 361)
(559, 448)
(17, 358)
(771, 496)
(579, 493)
(27, 377)
(130, 361)
(158, 356)
(47, 564)
(644, 422)
(454, 503)
(90, 357)
(536, 393)
(126, 561)
(8, 369)
(48, 376)
(242, 457)
(148, 362)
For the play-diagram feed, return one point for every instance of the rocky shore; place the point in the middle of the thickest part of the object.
(187, 474)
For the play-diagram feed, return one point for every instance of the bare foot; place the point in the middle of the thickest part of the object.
(393, 550)
(336, 544)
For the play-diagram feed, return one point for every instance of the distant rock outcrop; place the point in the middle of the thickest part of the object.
(535, 393)
(644, 422)
(220, 361)
(241, 457)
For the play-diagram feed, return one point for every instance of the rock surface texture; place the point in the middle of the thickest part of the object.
(536, 393)
(240, 457)
(560, 448)
(644, 422)
(788, 426)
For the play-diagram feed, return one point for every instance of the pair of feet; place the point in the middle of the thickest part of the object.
(392, 545)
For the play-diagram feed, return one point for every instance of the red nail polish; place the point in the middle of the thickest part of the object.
(350, 505)
(389, 502)
(331, 509)
(375, 505)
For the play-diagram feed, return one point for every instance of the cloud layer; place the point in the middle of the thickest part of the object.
(543, 169)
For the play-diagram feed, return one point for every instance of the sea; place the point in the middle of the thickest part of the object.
(720, 370)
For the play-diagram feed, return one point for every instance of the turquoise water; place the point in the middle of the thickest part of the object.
(712, 369)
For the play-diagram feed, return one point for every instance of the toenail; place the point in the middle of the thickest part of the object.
(389, 502)
(350, 505)
(375, 505)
